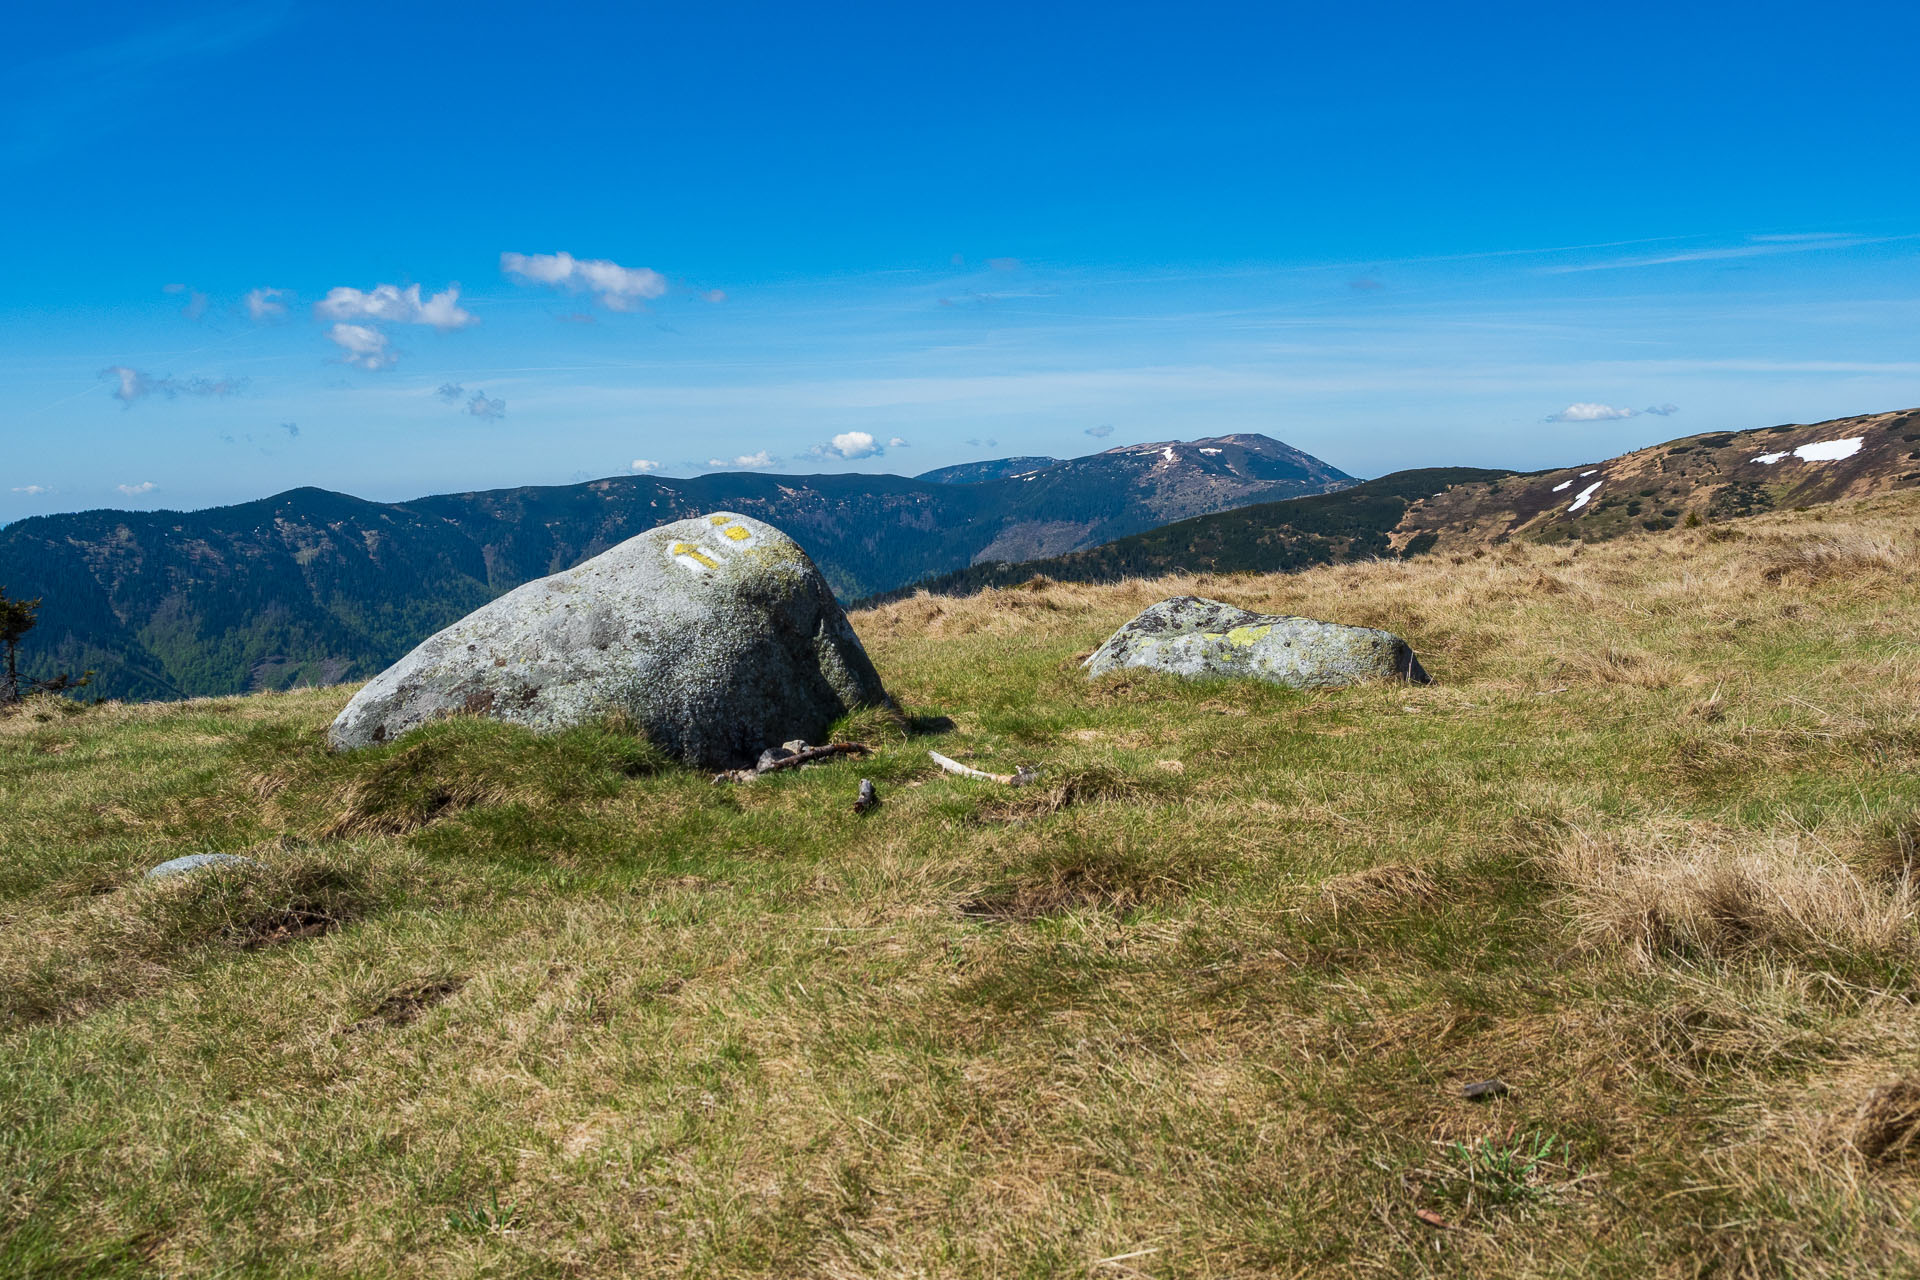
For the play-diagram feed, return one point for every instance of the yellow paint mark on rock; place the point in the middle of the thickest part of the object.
(737, 533)
(692, 552)
(718, 520)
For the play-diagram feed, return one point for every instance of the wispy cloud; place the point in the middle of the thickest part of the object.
(137, 490)
(1756, 247)
(60, 104)
(1587, 411)
(745, 462)
(477, 402)
(1100, 432)
(897, 443)
(196, 304)
(131, 384)
(362, 347)
(263, 304)
(645, 466)
(619, 288)
(32, 490)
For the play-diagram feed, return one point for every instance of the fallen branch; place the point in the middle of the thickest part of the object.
(1019, 778)
(770, 763)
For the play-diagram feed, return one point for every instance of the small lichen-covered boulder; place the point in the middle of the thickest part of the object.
(1199, 638)
(717, 635)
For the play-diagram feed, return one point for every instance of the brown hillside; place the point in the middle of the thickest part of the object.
(1712, 476)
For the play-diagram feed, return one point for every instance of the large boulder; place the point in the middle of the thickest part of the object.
(717, 635)
(1199, 638)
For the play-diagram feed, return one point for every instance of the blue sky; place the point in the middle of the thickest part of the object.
(260, 246)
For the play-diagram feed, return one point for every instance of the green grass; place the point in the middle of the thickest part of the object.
(1198, 1004)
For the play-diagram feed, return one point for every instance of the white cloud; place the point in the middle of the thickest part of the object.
(620, 288)
(1587, 412)
(1100, 432)
(136, 490)
(897, 443)
(850, 445)
(263, 304)
(132, 384)
(645, 465)
(395, 305)
(32, 490)
(365, 348)
(747, 461)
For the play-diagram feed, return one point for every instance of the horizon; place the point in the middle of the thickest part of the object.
(161, 509)
(888, 243)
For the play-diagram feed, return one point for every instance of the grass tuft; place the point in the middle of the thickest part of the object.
(1887, 1127)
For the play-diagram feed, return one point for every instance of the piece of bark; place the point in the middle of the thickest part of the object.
(771, 763)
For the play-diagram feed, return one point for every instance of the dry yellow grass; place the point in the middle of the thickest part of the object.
(1200, 1004)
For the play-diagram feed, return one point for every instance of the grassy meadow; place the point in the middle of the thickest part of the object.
(1201, 1003)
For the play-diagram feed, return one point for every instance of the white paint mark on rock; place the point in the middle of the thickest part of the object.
(1564, 484)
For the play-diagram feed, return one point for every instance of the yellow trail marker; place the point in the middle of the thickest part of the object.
(692, 552)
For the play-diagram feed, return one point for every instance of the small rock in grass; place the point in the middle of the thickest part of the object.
(1199, 638)
(194, 861)
(1481, 1089)
(868, 797)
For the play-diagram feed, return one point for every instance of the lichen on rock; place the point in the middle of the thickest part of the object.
(1199, 638)
(717, 636)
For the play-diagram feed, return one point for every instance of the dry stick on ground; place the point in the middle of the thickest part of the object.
(806, 755)
(1017, 779)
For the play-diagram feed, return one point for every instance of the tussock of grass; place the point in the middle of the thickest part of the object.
(1198, 1003)
(1888, 1124)
(445, 768)
(140, 936)
(1844, 556)
(1055, 882)
(1702, 891)
(1390, 886)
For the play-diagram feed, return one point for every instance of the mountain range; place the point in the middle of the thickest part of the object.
(310, 586)
(1709, 477)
